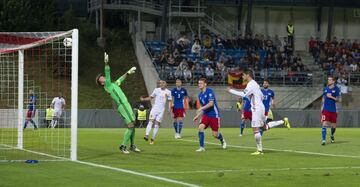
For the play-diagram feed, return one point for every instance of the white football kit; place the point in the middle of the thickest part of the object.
(161, 96)
(253, 92)
(58, 103)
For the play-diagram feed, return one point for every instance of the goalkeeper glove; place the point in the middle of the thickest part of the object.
(131, 71)
(106, 58)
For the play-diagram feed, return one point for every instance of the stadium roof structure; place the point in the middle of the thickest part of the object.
(305, 3)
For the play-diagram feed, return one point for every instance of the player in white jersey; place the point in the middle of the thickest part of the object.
(58, 104)
(161, 95)
(253, 92)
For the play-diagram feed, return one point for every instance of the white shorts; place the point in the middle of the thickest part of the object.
(258, 118)
(57, 113)
(156, 115)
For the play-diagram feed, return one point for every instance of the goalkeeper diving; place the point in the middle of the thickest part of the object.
(124, 107)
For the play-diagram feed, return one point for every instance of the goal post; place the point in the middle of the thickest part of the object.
(35, 68)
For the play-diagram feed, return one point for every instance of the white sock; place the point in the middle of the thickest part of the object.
(148, 128)
(258, 141)
(275, 123)
(52, 124)
(156, 129)
(55, 123)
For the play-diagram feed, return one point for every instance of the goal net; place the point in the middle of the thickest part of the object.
(37, 68)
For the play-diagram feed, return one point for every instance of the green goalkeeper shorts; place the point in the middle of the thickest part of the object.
(126, 112)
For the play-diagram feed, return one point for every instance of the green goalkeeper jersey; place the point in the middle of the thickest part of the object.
(113, 88)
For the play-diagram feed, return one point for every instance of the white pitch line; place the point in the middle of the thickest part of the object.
(138, 173)
(282, 150)
(115, 169)
(255, 170)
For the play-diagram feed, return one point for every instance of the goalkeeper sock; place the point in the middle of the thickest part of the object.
(323, 133)
(127, 136)
(180, 127)
(132, 137)
(148, 128)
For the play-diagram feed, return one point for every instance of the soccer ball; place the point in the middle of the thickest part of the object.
(67, 42)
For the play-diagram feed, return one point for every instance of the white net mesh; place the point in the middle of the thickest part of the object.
(46, 75)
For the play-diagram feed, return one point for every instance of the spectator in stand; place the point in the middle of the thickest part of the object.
(277, 42)
(219, 42)
(176, 55)
(257, 42)
(182, 47)
(209, 73)
(268, 62)
(354, 67)
(196, 48)
(240, 42)
(187, 74)
(183, 65)
(207, 42)
(312, 43)
(183, 39)
(223, 58)
(178, 73)
(248, 41)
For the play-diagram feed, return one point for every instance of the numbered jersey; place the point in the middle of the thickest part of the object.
(268, 97)
(179, 97)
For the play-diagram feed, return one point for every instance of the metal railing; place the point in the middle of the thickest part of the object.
(303, 79)
(149, 7)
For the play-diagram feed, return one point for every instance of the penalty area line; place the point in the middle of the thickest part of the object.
(282, 150)
(114, 169)
(255, 170)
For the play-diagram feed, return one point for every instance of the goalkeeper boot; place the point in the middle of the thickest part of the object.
(123, 149)
(332, 139)
(135, 149)
(257, 152)
(287, 123)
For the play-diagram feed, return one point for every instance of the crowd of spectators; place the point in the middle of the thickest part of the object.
(213, 57)
(336, 57)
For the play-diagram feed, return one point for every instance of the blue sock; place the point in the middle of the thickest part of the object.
(220, 137)
(175, 127)
(242, 126)
(261, 132)
(323, 133)
(180, 126)
(25, 125)
(201, 138)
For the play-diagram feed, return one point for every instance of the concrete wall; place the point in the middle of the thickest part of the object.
(148, 70)
(273, 20)
(108, 118)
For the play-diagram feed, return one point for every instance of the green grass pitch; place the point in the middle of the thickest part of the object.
(292, 158)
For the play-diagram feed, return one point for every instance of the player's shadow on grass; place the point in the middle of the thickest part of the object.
(101, 155)
(340, 142)
(271, 139)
